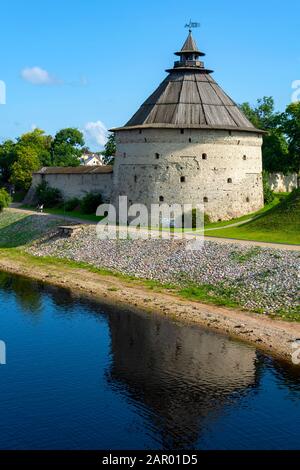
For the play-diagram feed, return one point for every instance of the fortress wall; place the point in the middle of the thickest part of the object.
(74, 185)
(281, 183)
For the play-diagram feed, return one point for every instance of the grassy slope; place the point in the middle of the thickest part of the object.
(279, 224)
(267, 207)
(19, 229)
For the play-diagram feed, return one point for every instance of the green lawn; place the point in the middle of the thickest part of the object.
(278, 224)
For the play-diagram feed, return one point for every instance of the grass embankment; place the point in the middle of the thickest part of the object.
(278, 198)
(19, 229)
(278, 224)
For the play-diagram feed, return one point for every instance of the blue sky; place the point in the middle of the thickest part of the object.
(98, 60)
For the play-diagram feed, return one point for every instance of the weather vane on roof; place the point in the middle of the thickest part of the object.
(192, 24)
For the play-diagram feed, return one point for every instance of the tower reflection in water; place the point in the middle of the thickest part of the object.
(183, 377)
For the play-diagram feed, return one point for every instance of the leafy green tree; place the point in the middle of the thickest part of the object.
(67, 147)
(110, 150)
(40, 143)
(7, 157)
(291, 126)
(36, 142)
(275, 150)
(5, 199)
(26, 163)
(263, 115)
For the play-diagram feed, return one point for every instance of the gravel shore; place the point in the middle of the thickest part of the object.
(260, 279)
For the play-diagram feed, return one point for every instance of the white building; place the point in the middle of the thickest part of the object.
(91, 159)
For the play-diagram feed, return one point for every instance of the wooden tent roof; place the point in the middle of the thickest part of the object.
(189, 98)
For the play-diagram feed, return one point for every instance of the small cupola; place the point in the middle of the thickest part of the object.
(189, 54)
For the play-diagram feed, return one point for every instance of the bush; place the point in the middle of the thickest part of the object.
(90, 203)
(72, 204)
(196, 212)
(48, 196)
(5, 199)
(206, 219)
(269, 195)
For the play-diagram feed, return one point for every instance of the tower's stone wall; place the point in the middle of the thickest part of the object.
(219, 168)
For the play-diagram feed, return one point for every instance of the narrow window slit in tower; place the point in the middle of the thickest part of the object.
(229, 180)
(204, 156)
(205, 199)
(161, 198)
(182, 179)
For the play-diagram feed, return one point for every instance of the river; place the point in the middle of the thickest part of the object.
(81, 376)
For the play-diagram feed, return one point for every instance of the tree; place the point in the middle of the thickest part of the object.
(37, 142)
(26, 163)
(291, 126)
(40, 143)
(67, 147)
(275, 147)
(275, 152)
(7, 157)
(110, 150)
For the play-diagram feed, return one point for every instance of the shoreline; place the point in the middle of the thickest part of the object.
(272, 336)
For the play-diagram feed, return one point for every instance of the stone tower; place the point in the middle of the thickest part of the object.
(190, 143)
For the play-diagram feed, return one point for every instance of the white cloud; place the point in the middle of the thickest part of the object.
(37, 76)
(95, 133)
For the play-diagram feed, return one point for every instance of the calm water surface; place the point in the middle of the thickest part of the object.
(80, 376)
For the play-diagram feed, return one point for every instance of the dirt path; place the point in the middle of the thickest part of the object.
(272, 336)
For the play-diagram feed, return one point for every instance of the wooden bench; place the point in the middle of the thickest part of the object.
(69, 230)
